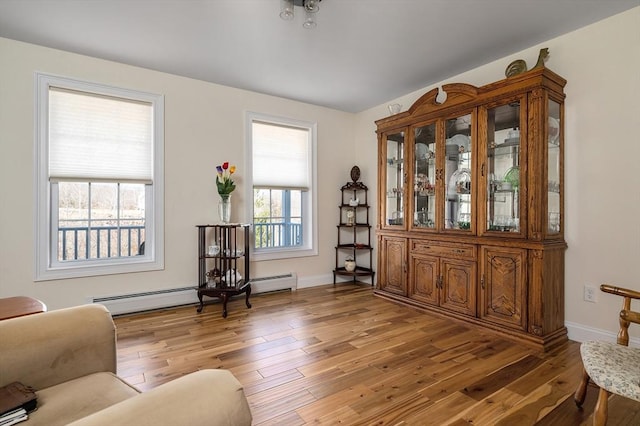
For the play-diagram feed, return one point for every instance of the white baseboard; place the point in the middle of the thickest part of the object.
(319, 280)
(315, 281)
(583, 333)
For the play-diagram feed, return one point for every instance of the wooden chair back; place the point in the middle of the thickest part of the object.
(627, 316)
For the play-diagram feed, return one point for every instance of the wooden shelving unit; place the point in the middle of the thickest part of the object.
(354, 231)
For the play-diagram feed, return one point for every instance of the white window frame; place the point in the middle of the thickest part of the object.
(309, 245)
(47, 268)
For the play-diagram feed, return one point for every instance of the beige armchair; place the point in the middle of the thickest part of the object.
(69, 357)
(614, 368)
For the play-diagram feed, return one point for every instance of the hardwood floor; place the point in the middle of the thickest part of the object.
(339, 355)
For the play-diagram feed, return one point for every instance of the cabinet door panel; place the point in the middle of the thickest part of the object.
(423, 279)
(504, 160)
(393, 265)
(392, 178)
(459, 173)
(459, 286)
(554, 184)
(504, 291)
(424, 178)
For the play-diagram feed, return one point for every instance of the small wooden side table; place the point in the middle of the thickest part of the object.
(220, 264)
(11, 307)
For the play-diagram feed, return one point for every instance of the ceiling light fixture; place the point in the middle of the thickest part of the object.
(310, 7)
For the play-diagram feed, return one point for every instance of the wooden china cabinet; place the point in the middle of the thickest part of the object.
(471, 221)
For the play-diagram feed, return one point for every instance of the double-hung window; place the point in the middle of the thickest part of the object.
(98, 179)
(283, 186)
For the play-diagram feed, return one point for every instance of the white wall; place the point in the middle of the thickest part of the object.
(204, 126)
(602, 171)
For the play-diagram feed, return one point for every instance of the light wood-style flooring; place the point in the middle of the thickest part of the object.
(340, 355)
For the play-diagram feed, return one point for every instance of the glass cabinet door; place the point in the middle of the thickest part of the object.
(503, 175)
(554, 170)
(457, 176)
(395, 179)
(424, 176)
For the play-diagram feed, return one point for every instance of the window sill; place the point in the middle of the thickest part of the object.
(92, 268)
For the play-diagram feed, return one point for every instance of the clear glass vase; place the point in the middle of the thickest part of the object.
(224, 208)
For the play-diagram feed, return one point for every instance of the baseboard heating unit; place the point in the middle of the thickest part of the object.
(138, 302)
(145, 301)
(274, 283)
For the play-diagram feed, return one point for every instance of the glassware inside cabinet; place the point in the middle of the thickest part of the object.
(457, 214)
(424, 178)
(395, 179)
(554, 171)
(503, 168)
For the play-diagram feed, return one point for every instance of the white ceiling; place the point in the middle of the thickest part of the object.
(362, 53)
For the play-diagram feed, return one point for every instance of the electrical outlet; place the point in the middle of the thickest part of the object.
(589, 294)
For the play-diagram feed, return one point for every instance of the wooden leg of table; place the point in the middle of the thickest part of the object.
(225, 297)
(201, 302)
(246, 300)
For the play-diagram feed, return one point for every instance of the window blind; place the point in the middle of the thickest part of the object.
(99, 138)
(281, 156)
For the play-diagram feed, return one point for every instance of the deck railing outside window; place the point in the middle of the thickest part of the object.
(276, 234)
(105, 241)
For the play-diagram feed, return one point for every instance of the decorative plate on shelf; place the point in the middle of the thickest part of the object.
(554, 131)
(460, 140)
(421, 151)
(512, 176)
(355, 173)
(459, 182)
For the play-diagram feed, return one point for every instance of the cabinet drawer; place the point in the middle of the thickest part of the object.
(461, 251)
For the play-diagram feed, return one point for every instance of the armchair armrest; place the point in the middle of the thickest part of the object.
(620, 291)
(630, 316)
(206, 397)
(46, 349)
